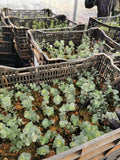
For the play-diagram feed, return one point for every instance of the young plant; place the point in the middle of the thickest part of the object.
(43, 150)
(57, 99)
(46, 123)
(75, 120)
(31, 115)
(49, 111)
(30, 134)
(62, 149)
(24, 156)
(59, 141)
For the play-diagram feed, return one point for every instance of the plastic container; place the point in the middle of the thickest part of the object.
(48, 73)
(7, 52)
(112, 31)
(57, 21)
(20, 13)
(23, 48)
(96, 148)
(51, 35)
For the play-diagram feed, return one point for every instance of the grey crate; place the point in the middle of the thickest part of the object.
(96, 148)
(21, 13)
(51, 35)
(112, 31)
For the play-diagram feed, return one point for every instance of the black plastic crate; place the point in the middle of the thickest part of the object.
(112, 31)
(51, 35)
(47, 73)
(22, 45)
(57, 21)
(8, 54)
(21, 13)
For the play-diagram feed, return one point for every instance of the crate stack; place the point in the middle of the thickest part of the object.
(8, 55)
(22, 20)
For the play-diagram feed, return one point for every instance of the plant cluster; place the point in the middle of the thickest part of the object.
(70, 51)
(41, 23)
(40, 121)
(111, 22)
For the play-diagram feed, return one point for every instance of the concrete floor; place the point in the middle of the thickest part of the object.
(57, 6)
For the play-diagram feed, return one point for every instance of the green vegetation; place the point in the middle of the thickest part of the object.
(85, 49)
(74, 112)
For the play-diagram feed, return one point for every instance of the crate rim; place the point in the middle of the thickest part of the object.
(29, 32)
(103, 24)
(67, 62)
(62, 155)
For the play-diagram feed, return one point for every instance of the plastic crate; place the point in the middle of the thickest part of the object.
(41, 23)
(21, 42)
(47, 73)
(51, 35)
(26, 13)
(112, 31)
(105, 147)
(60, 71)
(7, 52)
(23, 51)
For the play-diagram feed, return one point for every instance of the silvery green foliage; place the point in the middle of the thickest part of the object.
(46, 123)
(109, 116)
(22, 88)
(75, 120)
(62, 149)
(30, 134)
(43, 150)
(57, 99)
(34, 87)
(44, 139)
(31, 115)
(67, 107)
(63, 123)
(46, 95)
(24, 156)
(54, 91)
(6, 103)
(59, 141)
(49, 111)
(27, 103)
(88, 132)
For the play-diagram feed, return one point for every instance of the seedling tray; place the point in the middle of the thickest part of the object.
(57, 21)
(26, 13)
(96, 148)
(51, 35)
(21, 42)
(112, 31)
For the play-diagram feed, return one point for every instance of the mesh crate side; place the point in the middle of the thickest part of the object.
(43, 22)
(35, 38)
(47, 73)
(112, 31)
(46, 12)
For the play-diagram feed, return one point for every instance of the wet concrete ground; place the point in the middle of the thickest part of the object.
(57, 6)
